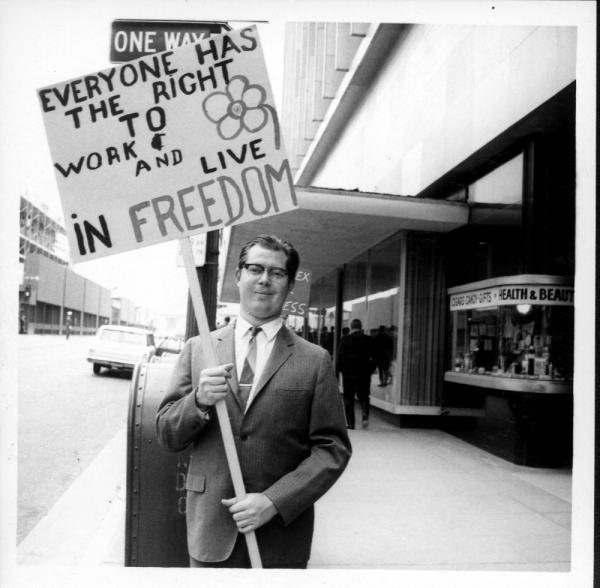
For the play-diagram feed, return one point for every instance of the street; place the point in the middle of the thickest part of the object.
(403, 486)
(66, 415)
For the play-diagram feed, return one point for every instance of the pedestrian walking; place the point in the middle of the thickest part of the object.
(355, 362)
(286, 418)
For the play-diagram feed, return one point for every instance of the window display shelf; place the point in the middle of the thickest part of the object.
(511, 383)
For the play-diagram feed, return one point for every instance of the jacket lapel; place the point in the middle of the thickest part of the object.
(225, 350)
(282, 350)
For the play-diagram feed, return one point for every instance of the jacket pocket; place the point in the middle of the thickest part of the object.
(195, 482)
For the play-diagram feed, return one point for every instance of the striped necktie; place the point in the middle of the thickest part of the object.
(247, 377)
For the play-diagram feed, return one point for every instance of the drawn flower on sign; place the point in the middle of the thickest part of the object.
(240, 107)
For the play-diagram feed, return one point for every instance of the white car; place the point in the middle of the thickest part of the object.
(120, 347)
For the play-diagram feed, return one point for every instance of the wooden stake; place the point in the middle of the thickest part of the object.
(221, 407)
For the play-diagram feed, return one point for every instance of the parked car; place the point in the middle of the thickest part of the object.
(120, 347)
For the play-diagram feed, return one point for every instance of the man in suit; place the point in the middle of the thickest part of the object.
(355, 361)
(289, 432)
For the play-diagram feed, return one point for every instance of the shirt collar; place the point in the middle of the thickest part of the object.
(270, 329)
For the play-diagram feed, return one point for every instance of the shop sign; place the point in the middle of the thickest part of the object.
(512, 295)
(167, 146)
(131, 39)
(297, 301)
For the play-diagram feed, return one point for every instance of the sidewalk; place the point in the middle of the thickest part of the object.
(414, 499)
(421, 499)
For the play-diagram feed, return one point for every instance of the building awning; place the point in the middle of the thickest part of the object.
(331, 227)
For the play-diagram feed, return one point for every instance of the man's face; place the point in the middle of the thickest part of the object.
(262, 297)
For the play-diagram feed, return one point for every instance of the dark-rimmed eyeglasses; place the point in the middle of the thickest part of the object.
(256, 270)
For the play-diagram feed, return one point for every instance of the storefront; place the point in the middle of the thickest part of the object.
(468, 187)
(395, 289)
(511, 352)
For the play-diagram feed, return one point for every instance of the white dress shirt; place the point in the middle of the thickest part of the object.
(265, 339)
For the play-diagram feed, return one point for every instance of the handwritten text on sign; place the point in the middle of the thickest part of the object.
(297, 301)
(169, 145)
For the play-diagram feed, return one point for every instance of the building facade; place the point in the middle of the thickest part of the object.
(435, 174)
(52, 296)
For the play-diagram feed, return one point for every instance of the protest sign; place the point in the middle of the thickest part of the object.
(166, 146)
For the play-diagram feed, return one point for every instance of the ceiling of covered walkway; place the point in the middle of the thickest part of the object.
(331, 227)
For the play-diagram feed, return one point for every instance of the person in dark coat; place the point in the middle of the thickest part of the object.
(355, 362)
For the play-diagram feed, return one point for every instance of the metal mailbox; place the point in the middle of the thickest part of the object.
(155, 529)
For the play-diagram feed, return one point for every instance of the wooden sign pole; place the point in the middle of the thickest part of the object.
(221, 407)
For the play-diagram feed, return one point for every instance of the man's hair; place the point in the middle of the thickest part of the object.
(274, 244)
(355, 324)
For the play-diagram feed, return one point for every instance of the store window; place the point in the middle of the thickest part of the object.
(512, 332)
(383, 288)
(355, 290)
(383, 285)
(321, 323)
(371, 286)
(370, 289)
(370, 293)
(517, 341)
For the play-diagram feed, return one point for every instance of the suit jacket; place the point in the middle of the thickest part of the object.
(291, 442)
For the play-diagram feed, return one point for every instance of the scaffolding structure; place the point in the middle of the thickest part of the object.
(39, 233)
(51, 294)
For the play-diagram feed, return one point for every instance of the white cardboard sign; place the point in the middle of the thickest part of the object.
(166, 146)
